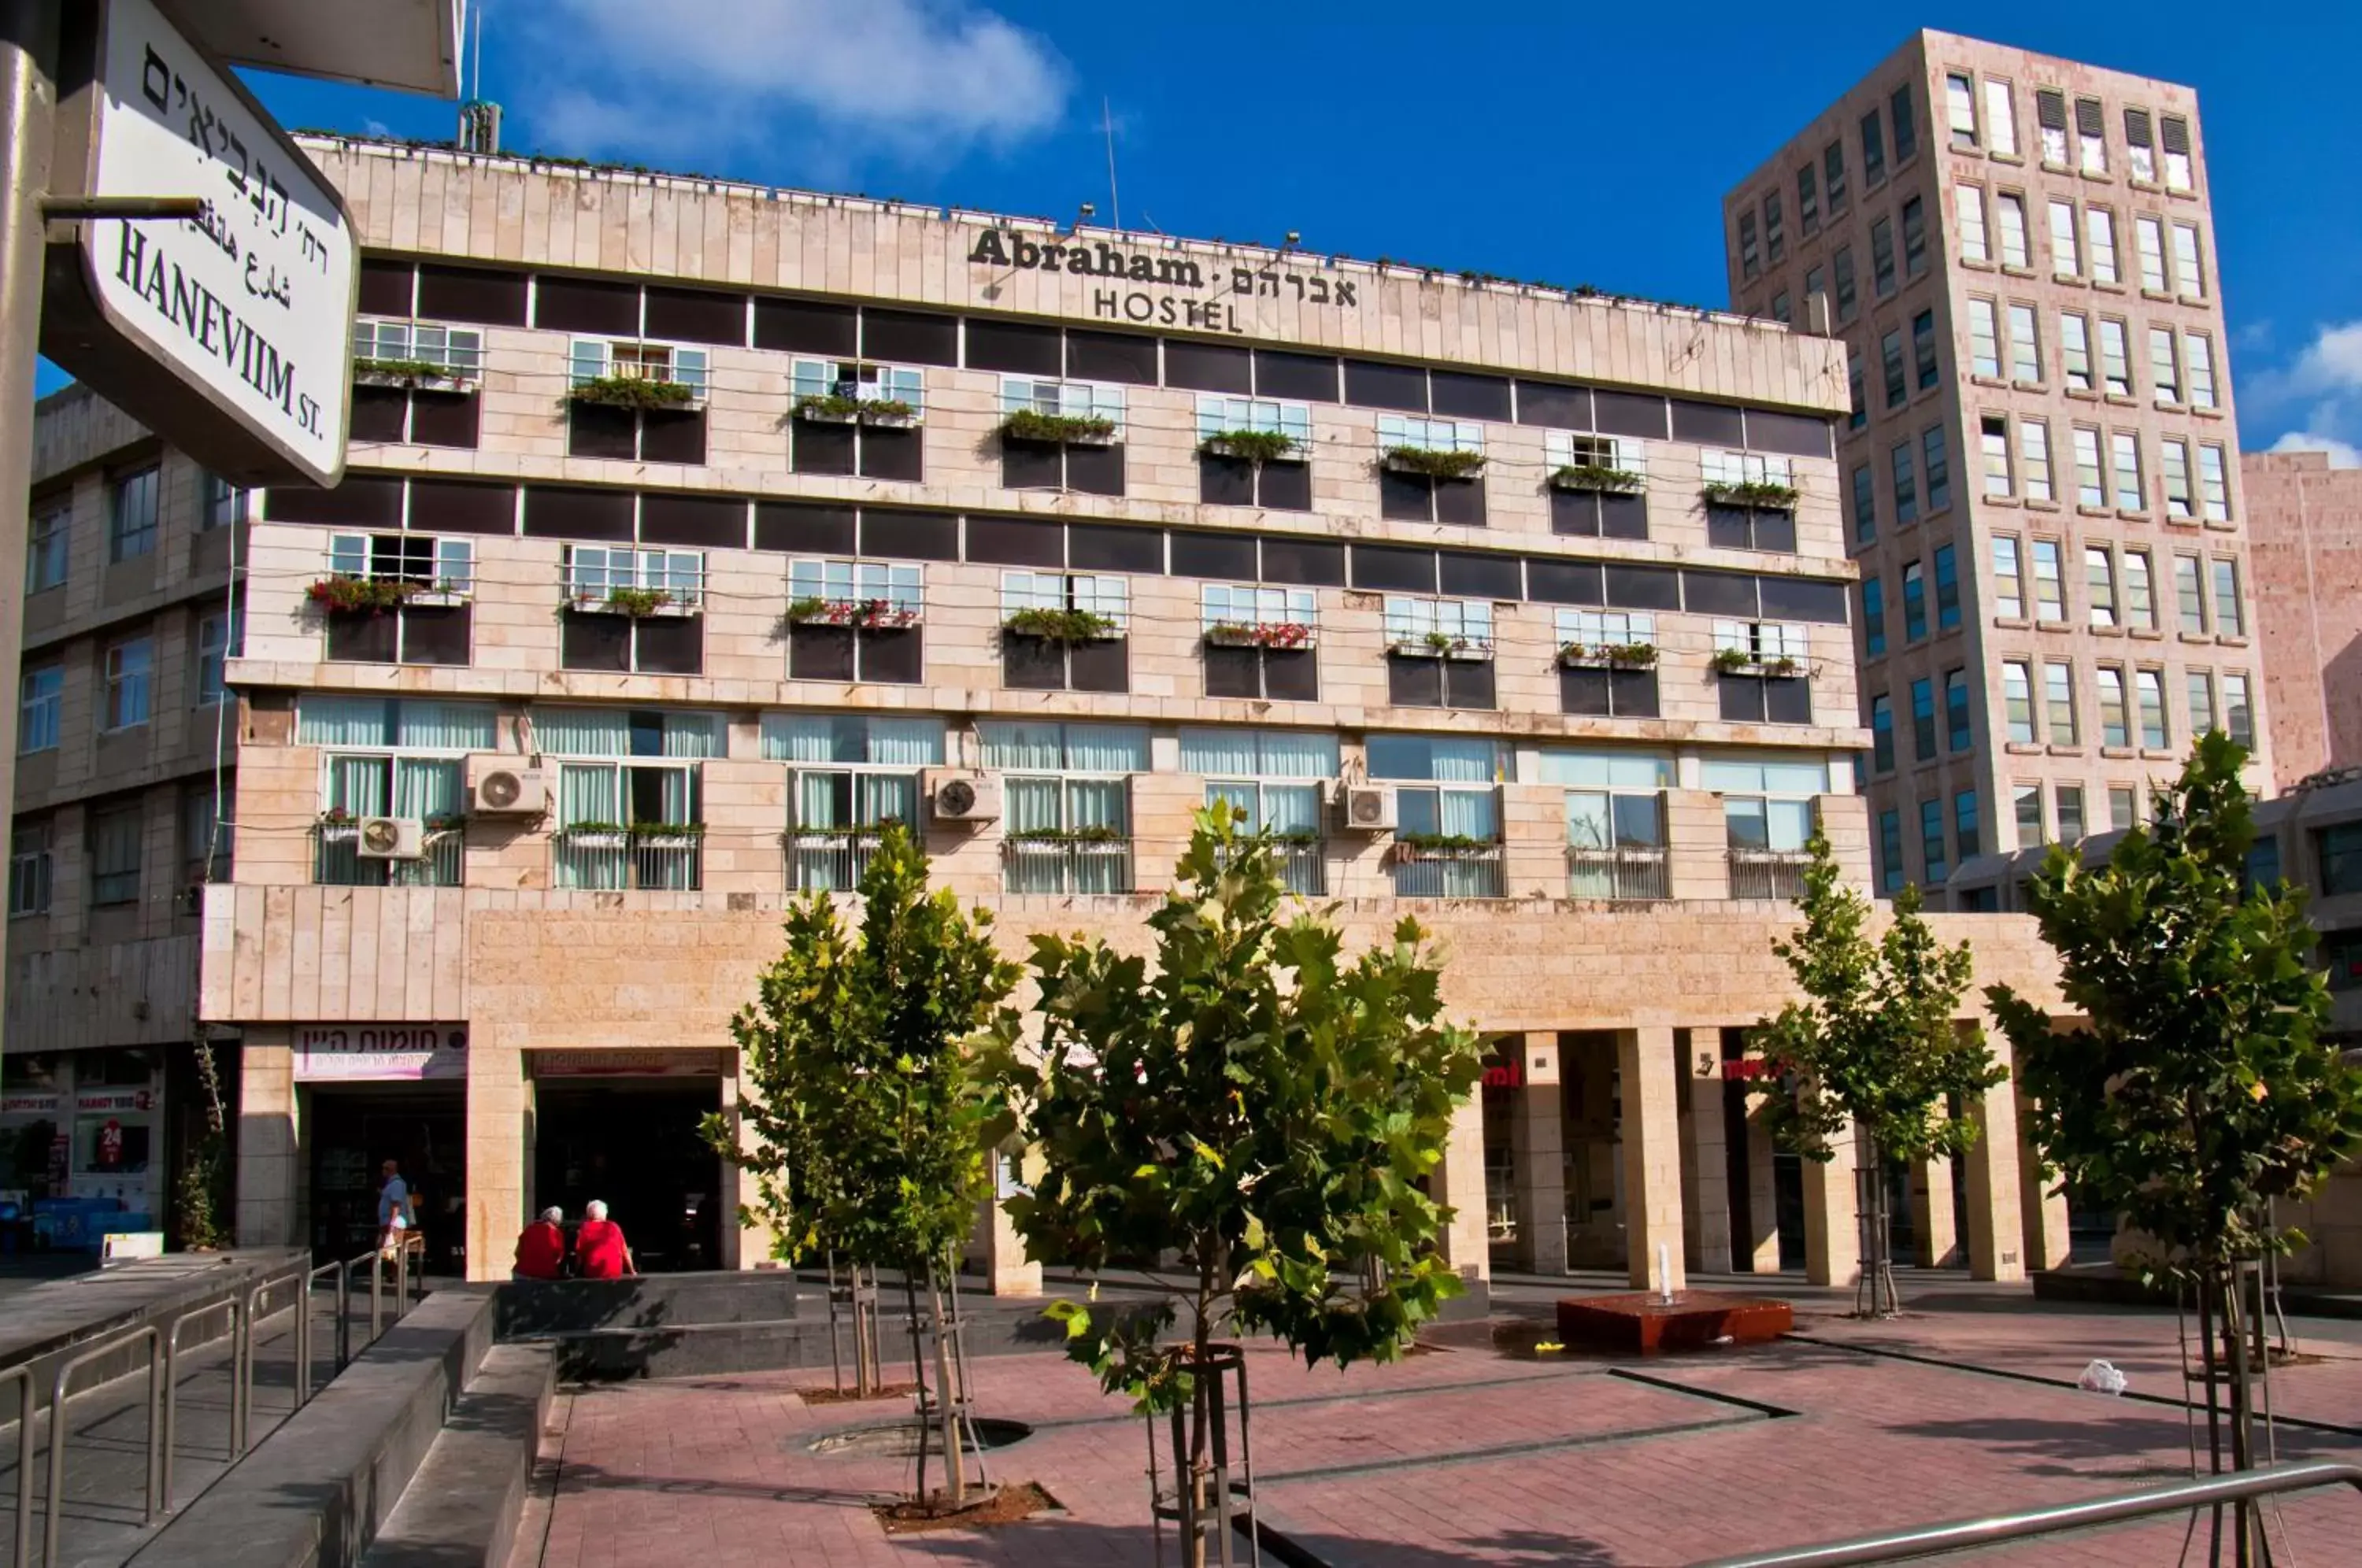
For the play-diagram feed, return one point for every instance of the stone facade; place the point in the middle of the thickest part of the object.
(2307, 519)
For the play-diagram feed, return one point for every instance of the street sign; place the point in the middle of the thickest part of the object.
(228, 334)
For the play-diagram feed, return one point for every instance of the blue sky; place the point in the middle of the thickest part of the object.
(1530, 141)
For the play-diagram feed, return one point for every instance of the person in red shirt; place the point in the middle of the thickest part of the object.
(541, 1249)
(600, 1247)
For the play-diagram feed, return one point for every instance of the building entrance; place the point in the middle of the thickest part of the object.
(635, 1144)
(353, 1130)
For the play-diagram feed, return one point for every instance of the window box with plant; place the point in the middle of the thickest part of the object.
(1258, 635)
(1098, 833)
(1766, 495)
(345, 593)
(1063, 626)
(1058, 429)
(638, 603)
(1612, 656)
(868, 614)
(1740, 661)
(1434, 464)
(1441, 645)
(1409, 846)
(642, 393)
(1596, 479)
(416, 375)
(1253, 446)
(338, 824)
(615, 835)
(836, 408)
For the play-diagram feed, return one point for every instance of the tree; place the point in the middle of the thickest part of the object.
(1875, 1044)
(1256, 1108)
(2198, 1089)
(869, 1121)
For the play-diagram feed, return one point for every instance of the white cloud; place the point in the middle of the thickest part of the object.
(2342, 453)
(827, 83)
(2331, 363)
(2316, 398)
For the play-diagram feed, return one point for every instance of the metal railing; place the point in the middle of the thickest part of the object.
(336, 860)
(1447, 873)
(829, 862)
(159, 1398)
(22, 1376)
(1928, 1540)
(1068, 866)
(672, 864)
(1617, 874)
(1768, 873)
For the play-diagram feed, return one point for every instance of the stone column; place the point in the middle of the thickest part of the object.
(497, 1099)
(1458, 1183)
(744, 1245)
(1833, 1215)
(1996, 1222)
(2042, 1212)
(1705, 1151)
(1650, 1135)
(1762, 1196)
(1931, 1214)
(1538, 1152)
(1010, 1272)
(268, 1210)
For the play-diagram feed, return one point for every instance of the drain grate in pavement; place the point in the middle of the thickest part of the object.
(899, 1439)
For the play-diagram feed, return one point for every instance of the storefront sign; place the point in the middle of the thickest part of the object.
(30, 1102)
(1510, 1075)
(395, 1053)
(574, 1064)
(98, 1102)
(1163, 270)
(110, 1144)
(1748, 1067)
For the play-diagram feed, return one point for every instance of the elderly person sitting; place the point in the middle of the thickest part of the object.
(598, 1246)
(541, 1248)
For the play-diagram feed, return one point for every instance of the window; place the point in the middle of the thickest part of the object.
(2066, 260)
(1614, 822)
(2116, 358)
(2034, 455)
(1957, 725)
(1857, 400)
(1258, 642)
(855, 418)
(2124, 806)
(2124, 449)
(1833, 176)
(1939, 468)
(1816, 282)
(206, 842)
(2148, 237)
(1970, 201)
(1906, 129)
(2229, 621)
(1881, 258)
(629, 813)
(1273, 779)
(2001, 127)
(2187, 273)
(2114, 723)
(1775, 238)
(131, 515)
(1873, 616)
(1992, 445)
(2075, 349)
(1914, 602)
(2009, 579)
(1849, 297)
(1964, 825)
(2201, 687)
(1898, 384)
(1960, 109)
(1447, 787)
(2090, 484)
(1279, 482)
(2175, 133)
(1590, 512)
(28, 869)
(1808, 205)
(454, 351)
(114, 835)
(1865, 505)
(2238, 710)
(1773, 685)
(2188, 595)
(1418, 497)
(1033, 660)
(218, 640)
(1889, 852)
(2141, 153)
(1441, 652)
(2009, 210)
(673, 433)
(2026, 803)
(431, 625)
(130, 669)
(1923, 720)
(1914, 237)
(1767, 813)
(2340, 851)
(2069, 811)
(1906, 490)
(1873, 151)
(2100, 227)
(39, 693)
(1091, 465)
(1751, 257)
(2100, 583)
(221, 503)
(2050, 590)
(2025, 345)
(2140, 603)
(2212, 485)
(1734, 526)
(2017, 700)
(2164, 368)
(848, 775)
(2198, 350)
(45, 548)
(853, 619)
(1882, 733)
(2050, 115)
(1931, 842)
(595, 359)
(2058, 702)
(2179, 502)
(2149, 690)
(1591, 680)
(1947, 589)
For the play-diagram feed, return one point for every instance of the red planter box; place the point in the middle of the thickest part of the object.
(1640, 1322)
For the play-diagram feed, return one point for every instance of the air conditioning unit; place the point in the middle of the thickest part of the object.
(957, 796)
(1365, 808)
(500, 785)
(390, 838)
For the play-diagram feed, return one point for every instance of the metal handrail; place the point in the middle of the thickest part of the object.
(172, 1381)
(241, 1405)
(22, 1376)
(1927, 1541)
(59, 1429)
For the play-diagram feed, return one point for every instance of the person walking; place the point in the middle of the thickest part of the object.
(394, 1214)
(541, 1248)
(598, 1246)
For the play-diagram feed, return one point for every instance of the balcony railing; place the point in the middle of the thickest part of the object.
(1775, 874)
(645, 862)
(1447, 873)
(336, 860)
(1068, 866)
(829, 862)
(1303, 865)
(1633, 874)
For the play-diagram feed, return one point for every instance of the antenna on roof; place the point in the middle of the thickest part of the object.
(479, 117)
(1106, 125)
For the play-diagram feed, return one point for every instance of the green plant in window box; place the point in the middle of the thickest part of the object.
(338, 817)
(1258, 635)
(828, 408)
(592, 829)
(1434, 464)
(1782, 666)
(1098, 833)
(1751, 492)
(343, 593)
(1030, 425)
(1062, 625)
(1298, 838)
(1732, 661)
(1418, 846)
(631, 391)
(642, 832)
(1443, 645)
(634, 602)
(1254, 446)
(1631, 656)
(401, 372)
(1597, 477)
(445, 821)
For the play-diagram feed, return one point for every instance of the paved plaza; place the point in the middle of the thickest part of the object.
(1469, 1453)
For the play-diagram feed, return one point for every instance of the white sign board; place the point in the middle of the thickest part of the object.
(249, 304)
(380, 1053)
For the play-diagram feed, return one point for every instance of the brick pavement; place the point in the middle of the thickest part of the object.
(1463, 1456)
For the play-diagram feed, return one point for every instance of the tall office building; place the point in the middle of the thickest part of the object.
(2039, 472)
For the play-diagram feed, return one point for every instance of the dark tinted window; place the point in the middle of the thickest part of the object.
(586, 304)
(1775, 530)
(359, 637)
(1719, 593)
(1788, 701)
(1708, 423)
(793, 526)
(910, 336)
(1624, 517)
(814, 447)
(1561, 407)
(601, 430)
(479, 294)
(1482, 577)
(1099, 667)
(1285, 487)
(696, 316)
(807, 326)
(562, 512)
(673, 436)
(1111, 357)
(890, 454)
(1218, 556)
(462, 506)
(707, 520)
(1628, 414)
(1291, 675)
(671, 644)
(1016, 541)
(894, 656)
(1804, 599)
(1013, 345)
(1221, 481)
(1464, 396)
(442, 419)
(1207, 367)
(372, 501)
(434, 634)
(1563, 582)
(594, 642)
(1095, 471)
(1460, 501)
(381, 414)
(1643, 588)
(1303, 563)
(1307, 378)
(820, 653)
(1094, 546)
(1799, 435)
(1415, 682)
(1369, 384)
(1234, 672)
(386, 288)
(1382, 566)
(1032, 465)
(909, 536)
(1406, 498)
(1032, 664)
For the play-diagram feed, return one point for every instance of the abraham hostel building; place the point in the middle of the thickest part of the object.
(692, 530)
